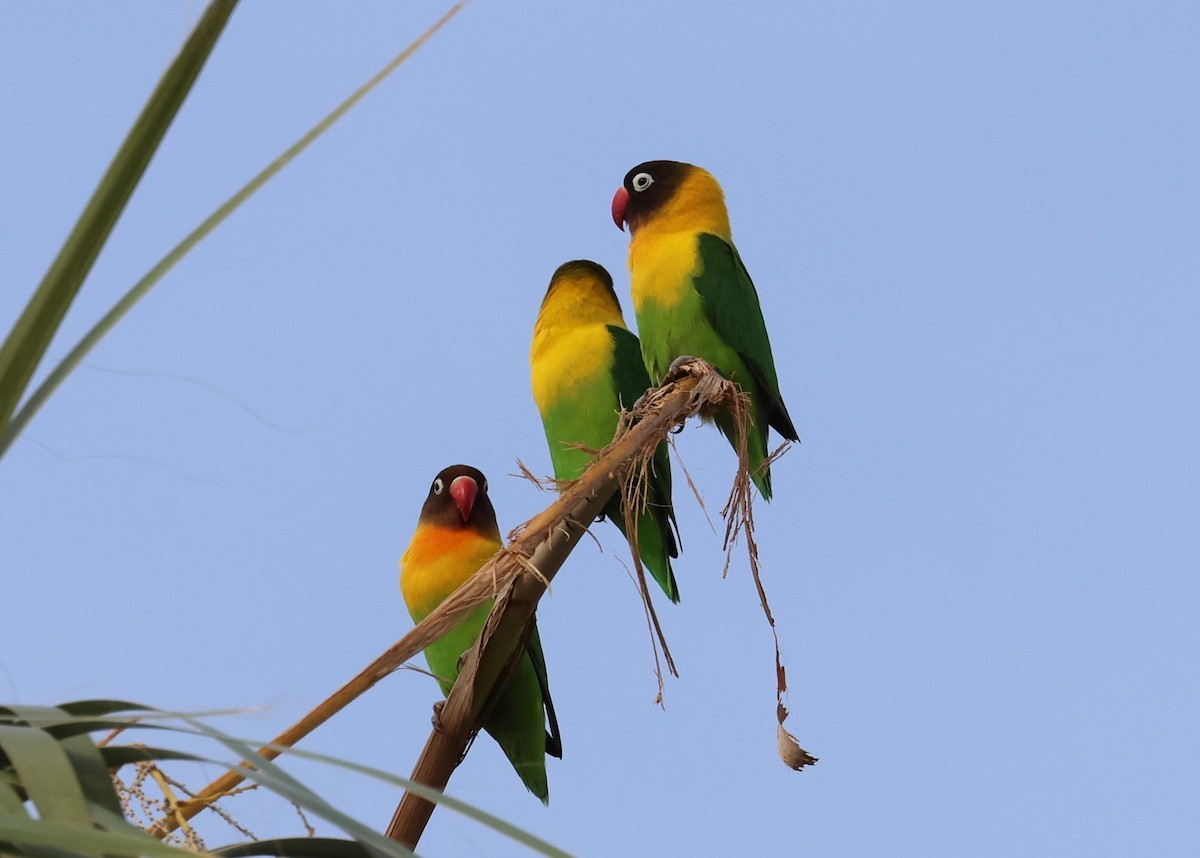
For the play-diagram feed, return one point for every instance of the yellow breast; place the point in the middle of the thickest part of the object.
(437, 561)
(564, 361)
(661, 266)
(571, 340)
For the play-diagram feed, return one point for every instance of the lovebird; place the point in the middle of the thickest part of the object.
(456, 534)
(586, 366)
(692, 295)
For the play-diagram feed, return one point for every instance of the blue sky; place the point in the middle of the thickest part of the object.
(973, 228)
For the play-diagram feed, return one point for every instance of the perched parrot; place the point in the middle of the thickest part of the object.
(692, 295)
(586, 366)
(456, 534)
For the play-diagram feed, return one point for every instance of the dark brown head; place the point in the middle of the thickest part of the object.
(646, 189)
(458, 498)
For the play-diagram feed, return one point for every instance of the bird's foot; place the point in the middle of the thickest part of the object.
(685, 366)
(436, 720)
(677, 369)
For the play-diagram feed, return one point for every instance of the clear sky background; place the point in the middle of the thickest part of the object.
(973, 228)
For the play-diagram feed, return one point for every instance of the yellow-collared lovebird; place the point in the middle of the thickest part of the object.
(692, 295)
(586, 366)
(456, 534)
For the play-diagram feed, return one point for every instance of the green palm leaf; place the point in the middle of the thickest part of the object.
(47, 762)
(27, 342)
(53, 304)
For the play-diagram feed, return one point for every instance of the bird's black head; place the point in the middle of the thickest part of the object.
(646, 188)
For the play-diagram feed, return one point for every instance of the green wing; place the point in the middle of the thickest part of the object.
(629, 372)
(631, 381)
(533, 649)
(731, 307)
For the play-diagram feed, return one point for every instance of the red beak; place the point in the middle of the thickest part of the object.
(618, 208)
(463, 492)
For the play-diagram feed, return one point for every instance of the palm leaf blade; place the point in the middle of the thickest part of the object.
(31, 334)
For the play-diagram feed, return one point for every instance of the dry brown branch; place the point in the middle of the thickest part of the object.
(691, 387)
(562, 524)
(543, 542)
(543, 483)
(739, 519)
(572, 505)
(635, 499)
(692, 485)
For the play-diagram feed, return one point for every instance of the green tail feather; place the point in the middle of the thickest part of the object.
(517, 724)
(756, 450)
(655, 544)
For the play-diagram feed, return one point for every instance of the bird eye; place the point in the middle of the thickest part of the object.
(438, 486)
(642, 181)
(485, 487)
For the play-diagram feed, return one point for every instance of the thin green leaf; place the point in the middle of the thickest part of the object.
(45, 773)
(61, 724)
(470, 811)
(300, 847)
(79, 708)
(81, 751)
(27, 342)
(139, 712)
(92, 772)
(85, 840)
(11, 803)
(116, 756)
(139, 289)
(271, 775)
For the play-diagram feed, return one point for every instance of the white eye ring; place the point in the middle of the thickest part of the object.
(483, 488)
(642, 181)
(438, 486)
